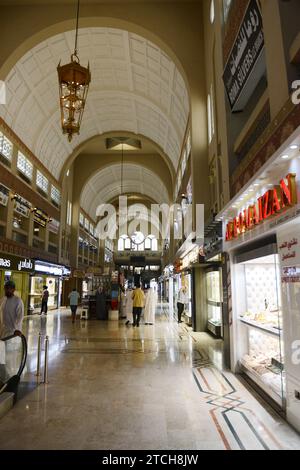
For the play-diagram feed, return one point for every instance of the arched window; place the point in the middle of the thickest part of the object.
(138, 243)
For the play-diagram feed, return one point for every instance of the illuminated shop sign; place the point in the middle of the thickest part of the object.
(40, 217)
(245, 59)
(272, 202)
(14, 263)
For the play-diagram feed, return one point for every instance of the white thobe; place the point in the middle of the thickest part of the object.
(129, 306)
(11, 315)
(150, 306)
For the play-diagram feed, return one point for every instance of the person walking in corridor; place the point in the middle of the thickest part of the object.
(11, 312)
(45, 298)
(182, 300)
(74, 297)
(138, 298)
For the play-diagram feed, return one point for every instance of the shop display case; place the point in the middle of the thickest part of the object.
(260, 324)
(36, 292)
(214, 302)
(188, 309)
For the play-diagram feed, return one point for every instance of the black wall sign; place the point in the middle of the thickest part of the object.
(15, 263)
(243, 60)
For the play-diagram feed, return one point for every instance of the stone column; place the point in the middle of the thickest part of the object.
(275, 58)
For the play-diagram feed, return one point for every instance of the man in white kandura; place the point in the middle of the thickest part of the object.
(129, 307)
(11, 312)
(150, 307)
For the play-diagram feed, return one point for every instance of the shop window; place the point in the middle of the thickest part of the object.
(6, 147)
(86, 224)
(24, 166)
(55, 195)
(42, 182)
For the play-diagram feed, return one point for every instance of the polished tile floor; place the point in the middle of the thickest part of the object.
(156, 387)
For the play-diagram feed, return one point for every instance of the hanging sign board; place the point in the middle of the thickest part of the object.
(22, 206)
(4, 195)
(246, 65)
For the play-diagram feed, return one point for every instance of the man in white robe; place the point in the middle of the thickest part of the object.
(129, 307)
(150, 307)
(11, 312)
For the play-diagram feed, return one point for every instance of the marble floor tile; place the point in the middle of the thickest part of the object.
(113, 387)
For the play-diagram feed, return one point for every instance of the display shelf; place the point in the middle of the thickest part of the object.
(265, 386)
(214, 303)
(215, 329)
(268, 329)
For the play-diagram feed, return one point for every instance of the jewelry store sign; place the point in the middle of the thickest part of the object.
(245, 65)
(289, 253)
(14, 263)
(273, 202)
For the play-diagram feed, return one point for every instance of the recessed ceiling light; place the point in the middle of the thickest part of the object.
(285, 157)
(256, 184)
(294, 147)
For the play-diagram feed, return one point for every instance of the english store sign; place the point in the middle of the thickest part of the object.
(272, 202)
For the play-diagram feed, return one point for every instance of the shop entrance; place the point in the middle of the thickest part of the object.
(22, 284)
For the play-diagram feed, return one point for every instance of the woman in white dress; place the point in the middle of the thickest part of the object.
(150, 307)
(129, 307)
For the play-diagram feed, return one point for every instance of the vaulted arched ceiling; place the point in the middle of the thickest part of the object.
(105, 185)
(135, 87)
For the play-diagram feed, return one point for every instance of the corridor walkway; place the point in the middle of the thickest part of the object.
(156, 387)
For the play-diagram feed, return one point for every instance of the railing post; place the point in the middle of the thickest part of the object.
(38, 365)
(46, 360)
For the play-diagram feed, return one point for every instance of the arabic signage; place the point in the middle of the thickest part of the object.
(190, 259)
(4, 195)
(22, 206)
(14, 263)
(53, 226)
(272, 202)
(40, 217)
(52, 269)
(289, 253)
(245, 59)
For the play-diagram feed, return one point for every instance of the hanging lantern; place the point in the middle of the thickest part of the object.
(74, 81)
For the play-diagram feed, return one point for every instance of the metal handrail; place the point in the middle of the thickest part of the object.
(24, 355)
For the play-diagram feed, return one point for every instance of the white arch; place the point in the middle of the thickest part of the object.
(135, 87)
(136, 180)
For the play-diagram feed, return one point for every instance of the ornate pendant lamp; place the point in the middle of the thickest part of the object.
(74, 81)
